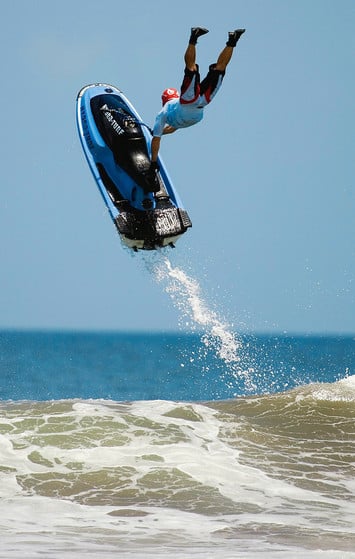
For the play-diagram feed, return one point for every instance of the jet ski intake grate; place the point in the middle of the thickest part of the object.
(152, 225)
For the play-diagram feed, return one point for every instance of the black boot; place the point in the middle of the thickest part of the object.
(196, 32)
(234, 36)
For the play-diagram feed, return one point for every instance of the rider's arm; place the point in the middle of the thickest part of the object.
(155, 147)
(156, 141)
(160, 128)
(169, 129)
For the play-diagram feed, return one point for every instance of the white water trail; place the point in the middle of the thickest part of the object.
(217, 336)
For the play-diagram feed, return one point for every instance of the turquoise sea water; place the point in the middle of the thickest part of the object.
(119, 366)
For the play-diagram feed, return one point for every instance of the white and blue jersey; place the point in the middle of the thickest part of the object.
(177, 115)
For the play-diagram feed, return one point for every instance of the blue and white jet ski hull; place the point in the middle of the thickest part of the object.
(117, 146)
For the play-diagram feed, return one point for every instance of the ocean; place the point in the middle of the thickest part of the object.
(205, 443)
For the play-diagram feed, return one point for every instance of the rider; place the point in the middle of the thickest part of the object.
(185, 109)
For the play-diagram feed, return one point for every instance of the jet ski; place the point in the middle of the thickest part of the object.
(145, 209)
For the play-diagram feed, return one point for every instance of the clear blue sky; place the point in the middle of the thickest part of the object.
(267, 177)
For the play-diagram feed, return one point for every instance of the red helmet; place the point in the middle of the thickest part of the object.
(170, 93)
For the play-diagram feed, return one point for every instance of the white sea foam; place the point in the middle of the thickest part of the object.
(341, 391)
(223, 501)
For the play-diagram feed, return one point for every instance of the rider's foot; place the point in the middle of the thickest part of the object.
(234, 36)
(196, 32)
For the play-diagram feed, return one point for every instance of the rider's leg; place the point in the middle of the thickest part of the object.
(226, 54)
(190, 53)
(190, 58)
